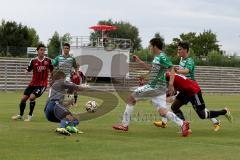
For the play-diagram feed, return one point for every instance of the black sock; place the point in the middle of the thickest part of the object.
(180, 114)
(213, 114)
(32, 105)
(22, 107)
(75, 98)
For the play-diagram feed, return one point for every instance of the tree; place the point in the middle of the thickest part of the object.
(171, 49)
(13, 34)
(189, 37)
(16, 37)
(54, 46)
(205, 43)
(200, 45)
(125, 30)
(66, 38)
(33, 36)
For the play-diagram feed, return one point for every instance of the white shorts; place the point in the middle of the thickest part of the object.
(157, 95)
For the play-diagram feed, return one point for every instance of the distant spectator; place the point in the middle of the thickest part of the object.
(141, 81)
(77, 78)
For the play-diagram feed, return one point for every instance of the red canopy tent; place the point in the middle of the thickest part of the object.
(103, 27)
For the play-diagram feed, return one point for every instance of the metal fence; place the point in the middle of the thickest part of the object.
(12, 75)
(108, 43)
(13, 51)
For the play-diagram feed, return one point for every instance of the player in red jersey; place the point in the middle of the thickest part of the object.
(141, 81)
(191, 90)
(77, 78)
(40, 66)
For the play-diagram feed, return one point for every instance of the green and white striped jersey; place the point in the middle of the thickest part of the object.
(65, 64)
(160, 64)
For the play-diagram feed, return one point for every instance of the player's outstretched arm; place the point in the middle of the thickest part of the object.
(83, 86)
(171, 81)
(137, 59)
(182, 71)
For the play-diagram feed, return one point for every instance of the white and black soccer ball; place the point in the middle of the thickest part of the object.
(91, 106)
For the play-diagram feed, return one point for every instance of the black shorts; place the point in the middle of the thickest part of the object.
(198, 102)
(183, 97)
(36, 90)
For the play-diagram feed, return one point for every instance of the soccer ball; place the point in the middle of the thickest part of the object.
(91, 106)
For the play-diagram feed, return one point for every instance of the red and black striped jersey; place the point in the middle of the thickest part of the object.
(184, 84)
(40, 70)
(77, 79)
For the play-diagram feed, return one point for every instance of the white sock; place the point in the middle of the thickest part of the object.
(127, 115)
(174, 118)
(164, 120)
(214, 120)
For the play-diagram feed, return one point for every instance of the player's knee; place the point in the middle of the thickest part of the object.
(162, 111)
(32, 99)
(75, 122)
(202, 115)
(131, 100)
(69, 117)
(23, 100)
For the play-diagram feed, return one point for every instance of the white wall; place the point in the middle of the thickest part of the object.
(107, 63)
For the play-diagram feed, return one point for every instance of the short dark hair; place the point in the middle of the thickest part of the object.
(40, 45)
(57, 74)
(66, 44)
(184, 45)
(157, 42)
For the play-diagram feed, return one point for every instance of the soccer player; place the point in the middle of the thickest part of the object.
(192, 92)
(65, 62)
(155, 88)
(77, 78)
(40, 66)
(57, 109)
(187, 68)
(186, 65)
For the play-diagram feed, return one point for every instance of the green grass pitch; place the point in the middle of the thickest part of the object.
(37, 140)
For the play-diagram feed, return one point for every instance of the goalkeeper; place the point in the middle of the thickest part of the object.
(57, 109)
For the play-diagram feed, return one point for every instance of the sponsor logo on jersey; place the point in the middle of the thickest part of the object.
(41, 68)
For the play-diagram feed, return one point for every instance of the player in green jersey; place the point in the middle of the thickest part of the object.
(187, 68)
(65, 62)
(154, 89)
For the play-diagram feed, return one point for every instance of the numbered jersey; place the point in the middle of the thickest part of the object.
(184, 84)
